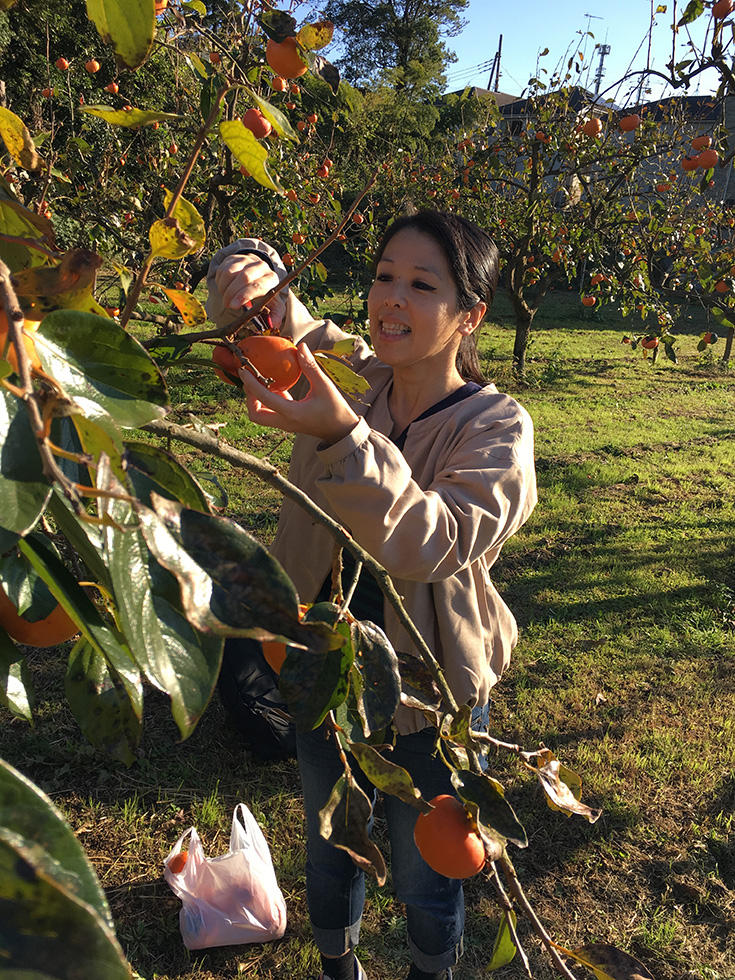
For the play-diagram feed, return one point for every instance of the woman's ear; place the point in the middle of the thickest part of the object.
(472, 319)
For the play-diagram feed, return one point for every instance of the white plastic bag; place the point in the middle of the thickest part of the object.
(230, 899)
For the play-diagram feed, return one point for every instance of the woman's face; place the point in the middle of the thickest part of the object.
(412, 305)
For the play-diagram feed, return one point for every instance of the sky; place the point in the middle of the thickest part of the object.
(533, 25)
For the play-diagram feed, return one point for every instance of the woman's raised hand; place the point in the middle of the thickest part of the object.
(242, 279)
(323, 412)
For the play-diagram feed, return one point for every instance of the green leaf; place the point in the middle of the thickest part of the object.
(26, 810)
(314, 682)
(492, 809)
(378, 664)
(277, 24)
(15, 681)
(130, 118)
(24, 490)
(197, 64)
(100, 703)
(386, 775)
(197, 6)
(152, 469)
(17, 139)
(694, 9)
(47, 930)
(128, 25)
(248, 152)
(504, 949)
(82, 610)
(343, 823)
(100, 365)
(278, 120)
(84, 537)
(172, 656)
(188, 218)
(18, 222)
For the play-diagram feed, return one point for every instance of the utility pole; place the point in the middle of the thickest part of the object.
(495, 69)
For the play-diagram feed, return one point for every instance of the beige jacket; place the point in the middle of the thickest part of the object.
(435, 515)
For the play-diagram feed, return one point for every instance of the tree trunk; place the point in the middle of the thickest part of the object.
(728, 345)
(524, 319)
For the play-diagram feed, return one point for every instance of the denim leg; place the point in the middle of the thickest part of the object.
(434, 904)
(335, 887)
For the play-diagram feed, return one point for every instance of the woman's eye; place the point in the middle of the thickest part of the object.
(423, 285)
(383, 277)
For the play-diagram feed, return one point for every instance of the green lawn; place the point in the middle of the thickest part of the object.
(623, 583)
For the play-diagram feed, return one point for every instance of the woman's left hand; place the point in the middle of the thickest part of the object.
(323, 412)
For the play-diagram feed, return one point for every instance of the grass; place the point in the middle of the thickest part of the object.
(623, 583)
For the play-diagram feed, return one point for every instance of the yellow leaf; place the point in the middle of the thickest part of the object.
(342, 375)
(67, 285)
(248, 152)
(18, 141)
(316, 36)
(17, 222)
(128, 25)
(191, 310)
(169, 240)
(131, 118)
(197, 64)
(188, 218)
(6, 4)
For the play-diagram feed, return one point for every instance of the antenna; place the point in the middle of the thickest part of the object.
(604, 51)
(590, 17)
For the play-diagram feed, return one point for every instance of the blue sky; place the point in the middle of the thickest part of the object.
(532, 25)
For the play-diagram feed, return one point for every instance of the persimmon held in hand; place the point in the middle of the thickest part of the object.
(447, 839)
(177, 863)
(47, 632)
(284, 59)
(276, 358)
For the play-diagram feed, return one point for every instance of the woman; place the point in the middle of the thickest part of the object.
(431, 473)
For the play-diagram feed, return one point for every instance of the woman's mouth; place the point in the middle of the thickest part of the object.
(391, 329)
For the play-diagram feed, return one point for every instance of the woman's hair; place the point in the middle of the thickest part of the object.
(473, 260)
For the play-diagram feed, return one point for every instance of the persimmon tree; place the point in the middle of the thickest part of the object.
(124, 538)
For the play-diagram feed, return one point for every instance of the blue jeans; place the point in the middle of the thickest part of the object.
(335, 887)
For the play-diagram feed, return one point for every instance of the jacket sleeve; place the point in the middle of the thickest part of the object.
(298, 323)
(480, 497)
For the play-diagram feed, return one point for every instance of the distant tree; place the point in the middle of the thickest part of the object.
(400, 41)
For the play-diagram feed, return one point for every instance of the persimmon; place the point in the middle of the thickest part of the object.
(279, 83)
(312, 118)
(721, 9)
(628, 123)
(447, 839)
(178, 862)
(92, 66)
(29, 328)
(301, 125)
(284, 59)
(689, 163)
(650, 343)
(62, 64)
(707, 158)
(214, 57)
(593, 127)
(112, 87)
(589, 300)
(701, 142)
(274, 651)
(160, 6)
(255, 121)
(49, 631)
(721, 286)
(275, 358)
(323, 172)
